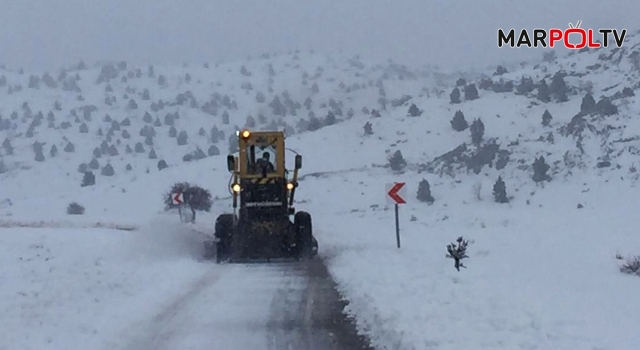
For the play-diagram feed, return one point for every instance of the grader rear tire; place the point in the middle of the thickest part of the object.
(307, 244)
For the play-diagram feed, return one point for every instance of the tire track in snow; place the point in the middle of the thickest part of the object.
(308, 313)
(277, 306)
(158, 330)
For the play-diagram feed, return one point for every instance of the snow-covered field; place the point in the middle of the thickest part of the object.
(85, 288)
(542, 271)
(537, 278)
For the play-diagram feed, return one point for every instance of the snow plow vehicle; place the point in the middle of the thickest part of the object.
(261, 228)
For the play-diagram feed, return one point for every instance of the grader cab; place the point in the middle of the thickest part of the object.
(260, 227)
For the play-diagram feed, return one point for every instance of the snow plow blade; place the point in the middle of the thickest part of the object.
(215, 249)
(283, 261)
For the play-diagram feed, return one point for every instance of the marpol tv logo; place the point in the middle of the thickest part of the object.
(573, 38)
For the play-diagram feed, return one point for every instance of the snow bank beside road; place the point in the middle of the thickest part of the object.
(66, 224)
(81, 288)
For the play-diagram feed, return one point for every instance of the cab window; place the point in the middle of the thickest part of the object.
(261, 159)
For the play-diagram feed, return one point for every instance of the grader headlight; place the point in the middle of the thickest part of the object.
(290, 186)
(236, 188)
(245, 134)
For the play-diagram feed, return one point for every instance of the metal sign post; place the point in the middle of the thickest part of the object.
(395, 192)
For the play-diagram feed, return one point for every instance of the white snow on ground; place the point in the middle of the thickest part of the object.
(147, 289)
(537, 277)
(228, 307)
(542, 277)
(541, 274)
(82, 288)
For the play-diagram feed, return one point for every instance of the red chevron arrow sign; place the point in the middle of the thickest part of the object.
(177, 198)
(396, 192)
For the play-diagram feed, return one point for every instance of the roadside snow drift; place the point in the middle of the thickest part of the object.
(82, 288)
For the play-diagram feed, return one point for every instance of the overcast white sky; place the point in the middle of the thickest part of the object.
(46, 34)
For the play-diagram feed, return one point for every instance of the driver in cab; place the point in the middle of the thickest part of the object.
(264, 164)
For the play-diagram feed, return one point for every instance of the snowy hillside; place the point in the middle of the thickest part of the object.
(542, 270)
(122, 116)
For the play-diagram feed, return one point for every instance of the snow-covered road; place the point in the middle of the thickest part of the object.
(105, 289)
(274, 307)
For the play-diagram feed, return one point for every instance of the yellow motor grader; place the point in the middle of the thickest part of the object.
(261, 228)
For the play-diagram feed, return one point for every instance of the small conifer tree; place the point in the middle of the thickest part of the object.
(546, 118)
(424, 192)
(397, 161)
(500, 191)
(459, 123)
(540, 168)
